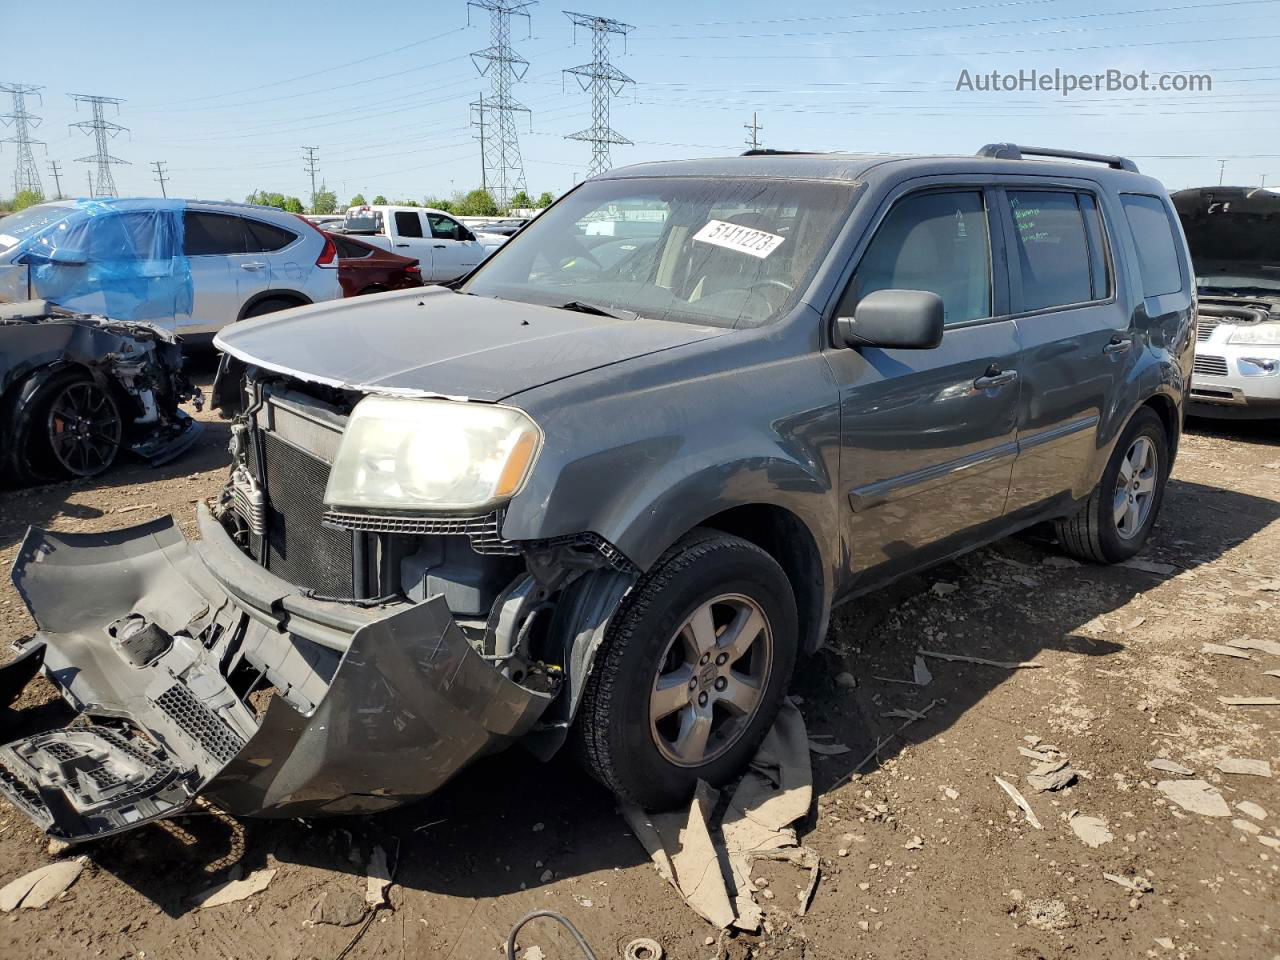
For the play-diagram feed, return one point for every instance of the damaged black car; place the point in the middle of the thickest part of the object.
(77, 390)
(606, 490)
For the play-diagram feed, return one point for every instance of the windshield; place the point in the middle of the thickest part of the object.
(719, 252)
(1234, 238)
(17, 227)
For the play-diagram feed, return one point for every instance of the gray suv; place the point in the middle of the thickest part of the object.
(607, 488)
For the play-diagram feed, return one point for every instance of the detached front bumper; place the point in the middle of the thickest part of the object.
(164, 646)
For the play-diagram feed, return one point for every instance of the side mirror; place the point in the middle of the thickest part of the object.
(903, 319)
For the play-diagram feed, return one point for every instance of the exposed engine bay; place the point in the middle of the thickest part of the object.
(77, 388)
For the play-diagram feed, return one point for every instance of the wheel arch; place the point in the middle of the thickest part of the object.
(786, 538)
(298, 299)
(1170, 416)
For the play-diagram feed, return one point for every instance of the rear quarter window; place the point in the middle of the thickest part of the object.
(1154, 236)
(267, 237)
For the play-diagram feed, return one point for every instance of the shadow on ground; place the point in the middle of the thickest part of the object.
(478, 838)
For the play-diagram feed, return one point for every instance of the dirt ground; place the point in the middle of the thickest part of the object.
(937, 861)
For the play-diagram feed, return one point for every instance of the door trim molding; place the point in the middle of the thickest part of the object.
(882, 491)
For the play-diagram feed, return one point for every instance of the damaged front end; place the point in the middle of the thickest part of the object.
(294, 660)
(139, 365)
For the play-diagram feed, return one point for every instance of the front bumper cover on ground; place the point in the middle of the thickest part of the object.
(141, 630)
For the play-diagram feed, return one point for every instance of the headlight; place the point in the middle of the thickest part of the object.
(431, 455)
(1258, 333)
(1258, 367)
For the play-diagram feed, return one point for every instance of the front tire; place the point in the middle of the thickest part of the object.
(1116, 520)
(66, 425)
(692, 671)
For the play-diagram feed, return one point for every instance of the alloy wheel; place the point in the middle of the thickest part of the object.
(711, 680)
(1135, 487)
(84, 428)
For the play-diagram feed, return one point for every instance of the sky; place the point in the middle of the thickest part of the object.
(228, 94)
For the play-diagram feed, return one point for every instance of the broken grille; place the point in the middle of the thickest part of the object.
(199, 723)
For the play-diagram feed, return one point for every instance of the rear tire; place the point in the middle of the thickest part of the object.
(1116, 520)
(692, 671)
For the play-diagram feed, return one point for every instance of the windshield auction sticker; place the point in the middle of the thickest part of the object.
(731, 236)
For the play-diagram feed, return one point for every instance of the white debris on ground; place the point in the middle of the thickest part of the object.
(234, 890)
(1022, 803)
(757, 825)
(1195, 796)
(1092, 831)
(34, 890)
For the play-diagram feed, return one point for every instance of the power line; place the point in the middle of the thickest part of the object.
(160, 177)
(934, 54)
(605, 82)
(312, 160)
(755, 128)
(503, 169)
(26, 176)
(949, 28)
(102, 130)
(57, 178)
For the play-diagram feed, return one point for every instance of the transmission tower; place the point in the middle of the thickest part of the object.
(26, 176)
(755, 128)
(103, 130)
(57, 178)
(605, 82)
(503, 168)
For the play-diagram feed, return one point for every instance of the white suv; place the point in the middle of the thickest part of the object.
(1231, 233)
(189, 265)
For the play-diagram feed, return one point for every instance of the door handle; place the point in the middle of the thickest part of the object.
(401, 244)
(252, 265)
(440, 246)
(1117, 345)
(995, 377)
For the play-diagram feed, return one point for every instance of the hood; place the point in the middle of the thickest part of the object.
(1234, 237)
(436, 343)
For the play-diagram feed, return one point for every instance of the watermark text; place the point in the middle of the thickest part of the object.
(1065, 83)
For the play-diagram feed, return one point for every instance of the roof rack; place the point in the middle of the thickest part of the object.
(769, 152)
(1013, 151)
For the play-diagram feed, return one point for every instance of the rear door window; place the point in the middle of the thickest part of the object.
(213, 234)
(938, 242)
(267, 237)
(1153, 234)
(408, 223)
(1053, 250)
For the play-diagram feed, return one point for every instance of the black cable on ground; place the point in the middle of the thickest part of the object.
(551, 914)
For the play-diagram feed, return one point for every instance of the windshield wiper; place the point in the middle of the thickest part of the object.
(581, 306)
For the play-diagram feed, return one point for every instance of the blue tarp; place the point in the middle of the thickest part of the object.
(121, 258)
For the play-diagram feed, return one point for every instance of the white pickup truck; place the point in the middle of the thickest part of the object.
(445, 248)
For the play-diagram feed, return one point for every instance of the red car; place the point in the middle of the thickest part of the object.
(364, 268)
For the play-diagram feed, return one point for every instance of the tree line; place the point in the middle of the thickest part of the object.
(471, 203)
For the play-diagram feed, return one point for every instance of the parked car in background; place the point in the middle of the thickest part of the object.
(615, 506)
(77, 389)
(1234, 236)
(190, 266)
(364, 268)
(324, 220)
(446, 249)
